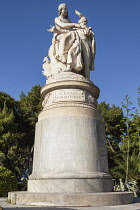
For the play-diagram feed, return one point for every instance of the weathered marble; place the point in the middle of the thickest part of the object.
(70, 166)
(73, 46)
(70, 145)
(71, 199)
(67, 184)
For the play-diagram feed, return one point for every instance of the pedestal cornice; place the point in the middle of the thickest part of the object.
(70, 84)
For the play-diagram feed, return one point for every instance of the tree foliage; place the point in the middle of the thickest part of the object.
(113, 120)
(122, 126)
(8, 182)
(9, 135)
(17, 129)
(29, 107)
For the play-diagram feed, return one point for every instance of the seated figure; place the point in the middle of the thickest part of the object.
(73, 45)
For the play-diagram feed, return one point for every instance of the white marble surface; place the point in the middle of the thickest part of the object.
(71, 199)
(70, 146)
(70, 185)
(132, 206)
(73, 46)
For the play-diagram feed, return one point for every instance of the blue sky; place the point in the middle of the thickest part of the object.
(24, 42)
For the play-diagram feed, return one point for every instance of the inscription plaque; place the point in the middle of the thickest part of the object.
(69, 95)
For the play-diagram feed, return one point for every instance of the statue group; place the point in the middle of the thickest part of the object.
(73, 46)
(70, 166)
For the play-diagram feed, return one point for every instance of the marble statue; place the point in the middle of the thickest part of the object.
(73, 46)
(70, 165)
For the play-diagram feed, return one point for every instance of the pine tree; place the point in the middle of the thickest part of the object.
(8, 138)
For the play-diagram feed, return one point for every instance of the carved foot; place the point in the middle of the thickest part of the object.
(68, 69)
(61, 58)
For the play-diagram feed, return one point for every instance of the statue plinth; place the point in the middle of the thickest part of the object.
(70, 149)
(70, 160)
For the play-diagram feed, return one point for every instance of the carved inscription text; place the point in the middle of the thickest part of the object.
(70, 95)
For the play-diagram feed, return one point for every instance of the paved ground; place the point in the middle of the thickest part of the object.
(134, 206)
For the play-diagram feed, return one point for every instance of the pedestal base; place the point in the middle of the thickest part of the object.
(69, 200)
(70, 185)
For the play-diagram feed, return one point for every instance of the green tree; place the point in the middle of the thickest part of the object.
(113, 119)
(127, 159)
(29, 107)
(6, 99)
(112, 116)
(126, 138)
(126, 146)
(8, 138)
(17, 128)
(122, 134)
(8, 182)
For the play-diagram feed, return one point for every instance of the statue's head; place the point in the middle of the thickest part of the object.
(83, 21)
(63, 9)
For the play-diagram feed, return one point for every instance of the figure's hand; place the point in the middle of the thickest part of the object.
(52, 29)
(77, 25)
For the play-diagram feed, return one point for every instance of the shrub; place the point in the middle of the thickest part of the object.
(8, 182)
(131, 186)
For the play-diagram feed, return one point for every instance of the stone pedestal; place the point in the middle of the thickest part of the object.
(71, 199)
(70, 166)
(70, 149)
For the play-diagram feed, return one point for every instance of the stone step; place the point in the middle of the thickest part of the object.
(70, 200)
(6, 206)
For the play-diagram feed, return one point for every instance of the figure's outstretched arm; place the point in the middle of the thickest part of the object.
(66, 25)
(54, 30)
